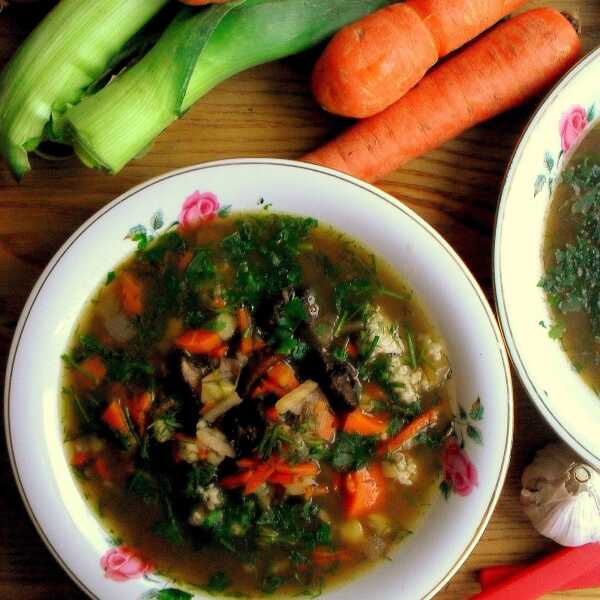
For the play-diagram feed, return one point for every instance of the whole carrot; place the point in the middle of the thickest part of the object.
(504, 68)
(373, 62)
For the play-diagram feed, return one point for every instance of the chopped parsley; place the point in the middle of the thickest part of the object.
(352, 451)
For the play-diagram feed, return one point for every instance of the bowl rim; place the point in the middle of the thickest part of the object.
(534, 393)
(347, 179)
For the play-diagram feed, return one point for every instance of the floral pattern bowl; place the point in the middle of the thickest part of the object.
(475, 457)
(562, 120)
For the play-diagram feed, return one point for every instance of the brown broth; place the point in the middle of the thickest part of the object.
(578, 341)
(130, 520)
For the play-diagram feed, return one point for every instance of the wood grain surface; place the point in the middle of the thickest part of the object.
(267, 111)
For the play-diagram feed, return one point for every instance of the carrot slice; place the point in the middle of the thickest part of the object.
(246, 345)
(299, 470)
(281, 478)
(199, 341)
(259, 476)
(272, 415)
(235, 481)
(243, 317)
(114, 417)
(364, 491)
(247, 463)
(364, 423)
(283, 375)
(102, 469)
(416, 426)
(324, 558)
(80, 458)
(132, 293)
(374, 391)
(219, 352)
(91, 372)
(139, 406)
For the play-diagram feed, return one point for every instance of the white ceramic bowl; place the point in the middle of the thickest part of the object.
(425, 562)
(563, 119)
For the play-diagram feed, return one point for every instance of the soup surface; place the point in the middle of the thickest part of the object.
(256, 405)
(572, 260)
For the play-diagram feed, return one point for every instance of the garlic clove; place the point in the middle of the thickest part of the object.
(561, 496)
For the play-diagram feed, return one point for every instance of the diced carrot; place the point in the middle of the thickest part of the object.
(364, 423)
(268, 387)
(352, 350)
(416, 426)
(139, 406)
(283, 375)
(364, 491)
(259, 476)
(324, 558)
(243, 317)
(219, 352)
(199, 341)
(114, 417)
(246, 345)
(301, 469)
(185, 259)
(102, 469)
(247, 463)
(374, 391)
(80, 458)
(326, 421)
(272, 415)
(131, 293)
(281, 478)
(91, 372)
(235, 481)
(313, 491)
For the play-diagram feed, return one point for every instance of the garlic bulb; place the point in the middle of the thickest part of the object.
(561, 496)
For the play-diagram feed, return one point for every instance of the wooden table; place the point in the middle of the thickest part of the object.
(267, 111)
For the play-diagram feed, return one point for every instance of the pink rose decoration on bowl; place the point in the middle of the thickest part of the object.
(121, 564)
(197, 209)
(459, 471)
(571, 125)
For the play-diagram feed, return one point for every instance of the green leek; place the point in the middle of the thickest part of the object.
(66, 53)
(197, 51)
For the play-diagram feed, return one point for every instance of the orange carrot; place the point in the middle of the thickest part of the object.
(199, 341)
(364, 491)
(91, 372)
(80, 458)
(114, 417)
(351, 349)
(513, 63)
(259, 476)
(363, 423)
(374, 391)
(102, 469)
(138, 407)
(243, 317)
(247, 463)
(218, 352)
(312, 491)
(272, 415)
(416, 426)
(283, 375)
(132, 294)
(322, 557)
(248, 345)
(373, 62)
(300, 470)
(234, 481)
(281, 478)
(268, 387)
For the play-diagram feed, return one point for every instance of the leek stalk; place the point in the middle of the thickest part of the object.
(67, 52)
(197, 51)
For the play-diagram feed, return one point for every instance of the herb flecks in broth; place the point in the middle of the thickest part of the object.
(237, 399)
(572, 261)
